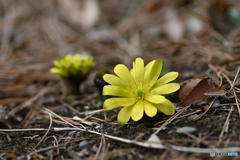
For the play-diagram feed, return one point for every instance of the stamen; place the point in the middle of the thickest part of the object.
(139, 93)
(138, 89)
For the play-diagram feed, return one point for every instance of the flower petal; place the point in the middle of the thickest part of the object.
(114, 80)
(123, 72)
(112, 103)
(166, 107)
(137, 111)
(57, 63)
(138, 69)
(126, 102)
(77, 60)
(67, 60)
(166, 79)
(148, 69)
(58, 71)
(76, 56)
(124, 115)
(154, 72)
(166, 89)
(114, 91)
(149, 109)
(155, 99)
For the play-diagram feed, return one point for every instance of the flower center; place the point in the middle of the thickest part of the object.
(139, 92)
(138, 89)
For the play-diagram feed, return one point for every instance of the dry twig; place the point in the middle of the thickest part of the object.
(225, 126)
(171, 119)
(50, 125)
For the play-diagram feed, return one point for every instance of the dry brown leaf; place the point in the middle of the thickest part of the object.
(187, 87)
(205, 107)
(10, 155)
(203, 90)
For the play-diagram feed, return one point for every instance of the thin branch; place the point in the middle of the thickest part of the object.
(236, 99)
(99, 148)
(171, 119)
(185, 115)
(235, 79)
(142, 144)
(28, 102)
(58, 151)
(50, 125)
(198, 117)
(48, 110)
(224, 127)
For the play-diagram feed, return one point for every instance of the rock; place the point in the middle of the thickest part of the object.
(186, 130)
(83, 144)
(153, 138)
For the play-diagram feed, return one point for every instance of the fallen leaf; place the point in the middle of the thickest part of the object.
(187, 87)
(205, 107)
(216, 92)
(12, 156)
(204, 89)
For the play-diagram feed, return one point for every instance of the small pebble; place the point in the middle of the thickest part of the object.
(216, 104)
(94, 148)
(83, 144)
(155, 129)
(153, 138)
(186, 130)
(83, 152)
(86, 107)
(49, 152)
(74, 155)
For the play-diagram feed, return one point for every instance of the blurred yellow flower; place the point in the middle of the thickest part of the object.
(73, 66)
(139, 90)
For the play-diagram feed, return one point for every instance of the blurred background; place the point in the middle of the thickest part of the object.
(193, 37)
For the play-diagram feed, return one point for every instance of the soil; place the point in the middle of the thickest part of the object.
(84, 145)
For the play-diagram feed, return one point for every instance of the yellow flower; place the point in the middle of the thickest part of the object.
(73, 66)
(139, 90)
